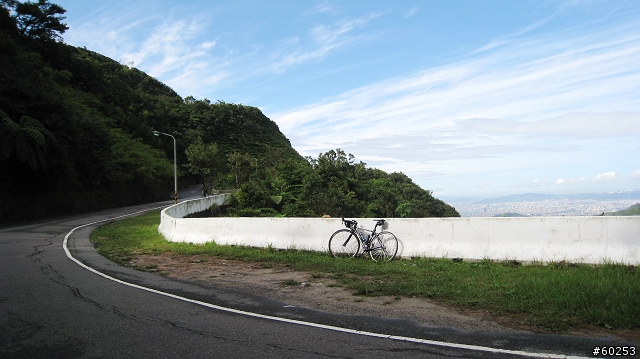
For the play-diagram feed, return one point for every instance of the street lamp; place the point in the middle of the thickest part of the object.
(175, 166)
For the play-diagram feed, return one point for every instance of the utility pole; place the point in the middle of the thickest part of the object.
(175, 166)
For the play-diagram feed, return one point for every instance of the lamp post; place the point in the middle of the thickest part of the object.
(175, 165)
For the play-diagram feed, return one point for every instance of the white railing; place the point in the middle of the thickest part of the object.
(545, 239)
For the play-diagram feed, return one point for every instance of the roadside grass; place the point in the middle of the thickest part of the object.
(554, 297)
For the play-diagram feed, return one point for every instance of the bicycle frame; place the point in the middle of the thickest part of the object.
(367, 244)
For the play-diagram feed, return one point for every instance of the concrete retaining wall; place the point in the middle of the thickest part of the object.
(574, 239)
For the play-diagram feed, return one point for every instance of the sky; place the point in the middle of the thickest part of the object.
(468, 98)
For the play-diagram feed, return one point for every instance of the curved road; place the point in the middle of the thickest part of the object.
(52, 307)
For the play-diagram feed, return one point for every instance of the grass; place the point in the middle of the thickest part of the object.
(291, 283)
(554, 297)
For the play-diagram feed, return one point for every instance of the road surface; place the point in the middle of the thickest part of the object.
(52, 307)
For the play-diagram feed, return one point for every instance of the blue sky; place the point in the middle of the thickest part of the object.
(468, 98)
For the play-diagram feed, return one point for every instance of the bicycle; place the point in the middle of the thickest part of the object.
(378, 245)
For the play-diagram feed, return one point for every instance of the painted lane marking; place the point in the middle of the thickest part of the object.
(299, 322)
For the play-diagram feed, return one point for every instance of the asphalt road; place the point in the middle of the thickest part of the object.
(52, 307)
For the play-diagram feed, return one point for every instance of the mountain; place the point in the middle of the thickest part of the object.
(76, 134)
(510, 214)
(76, 129)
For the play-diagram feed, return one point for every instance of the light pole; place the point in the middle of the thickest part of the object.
(175, 165)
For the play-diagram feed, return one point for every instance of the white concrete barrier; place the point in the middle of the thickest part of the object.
(545, 239)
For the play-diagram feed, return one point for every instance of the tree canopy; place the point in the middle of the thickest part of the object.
(38, 20)
(205, 162)
(334, 184)
(25, 140)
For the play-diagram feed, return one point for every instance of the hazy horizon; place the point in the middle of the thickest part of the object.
(636, 193)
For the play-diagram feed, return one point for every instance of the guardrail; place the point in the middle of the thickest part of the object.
(545, 239)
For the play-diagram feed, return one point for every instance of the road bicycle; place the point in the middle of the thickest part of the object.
(356, 241)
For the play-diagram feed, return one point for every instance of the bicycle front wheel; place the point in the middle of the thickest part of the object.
(384, 247)
(343, 243)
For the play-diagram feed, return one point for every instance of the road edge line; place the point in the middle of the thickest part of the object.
(293, 321)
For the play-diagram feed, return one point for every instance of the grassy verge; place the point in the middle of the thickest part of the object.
(552, 297)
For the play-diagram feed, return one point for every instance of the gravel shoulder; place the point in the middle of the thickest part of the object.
(321, 292)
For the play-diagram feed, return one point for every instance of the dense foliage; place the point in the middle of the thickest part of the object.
(74, 124)
(333, 184)
(76, 134)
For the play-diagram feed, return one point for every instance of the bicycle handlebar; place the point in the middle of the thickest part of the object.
(349, 223)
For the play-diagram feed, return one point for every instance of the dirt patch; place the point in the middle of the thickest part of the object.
(321, 292)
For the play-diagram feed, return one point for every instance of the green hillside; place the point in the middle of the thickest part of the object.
(510, 214)
(631, 211)
(76, 134)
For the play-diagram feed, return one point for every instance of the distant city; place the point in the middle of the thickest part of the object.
(532, 204)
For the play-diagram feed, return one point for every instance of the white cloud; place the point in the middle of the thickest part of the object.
(537, 183)
(324, 38)
(411, 12)
(108, 34)
(178, 52)
(605, 177)
(571, 125)
(483, 185)
(169, 48)
(635, 175)
(509, 39)
(561, 181)
(323, 7)
(195, 77)
(208, 45)
(487, 94)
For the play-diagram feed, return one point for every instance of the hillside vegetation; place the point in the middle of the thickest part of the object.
(631, 211)
(334, 184)
(76, 134)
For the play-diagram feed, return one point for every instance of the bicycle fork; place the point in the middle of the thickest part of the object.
(348, 239)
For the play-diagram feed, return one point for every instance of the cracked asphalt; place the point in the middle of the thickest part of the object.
(50, 307)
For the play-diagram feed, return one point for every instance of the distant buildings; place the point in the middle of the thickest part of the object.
(549, 207)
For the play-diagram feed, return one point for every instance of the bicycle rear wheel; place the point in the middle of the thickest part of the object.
(343, 243)
(384, 247)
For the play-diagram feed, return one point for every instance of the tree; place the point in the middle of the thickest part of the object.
(7, 22)
(134, 163)
(40, 20)
(241, 166)
(27, 140)
(204, 162)
(8, 4)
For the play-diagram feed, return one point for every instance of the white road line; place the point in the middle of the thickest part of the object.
(299, 322)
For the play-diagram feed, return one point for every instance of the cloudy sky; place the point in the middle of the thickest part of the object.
(468, 98)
